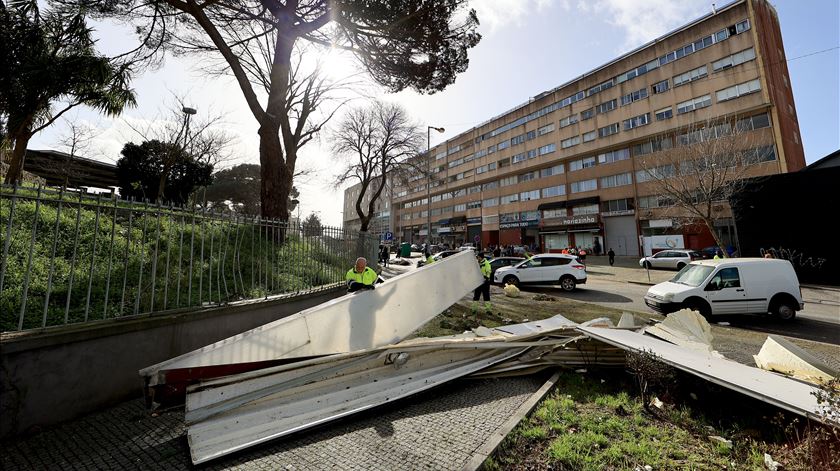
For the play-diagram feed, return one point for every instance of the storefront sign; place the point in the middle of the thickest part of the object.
(514, 225)
(576, 220)
(443, 230)
(626, 212)
(459, 228)
(473, 221)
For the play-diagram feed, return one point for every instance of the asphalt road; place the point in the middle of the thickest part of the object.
(817, 322)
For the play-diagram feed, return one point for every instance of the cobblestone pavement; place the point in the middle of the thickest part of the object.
(436, 430)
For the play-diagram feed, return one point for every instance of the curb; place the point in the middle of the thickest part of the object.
(484, 451)
(645, 283)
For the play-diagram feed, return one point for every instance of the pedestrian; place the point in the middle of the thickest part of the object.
(611, 255)
(582, 256)
(484, 289)
(497, 252)
(427, 253)
(384, 254)
(596, 246)
(361, 276)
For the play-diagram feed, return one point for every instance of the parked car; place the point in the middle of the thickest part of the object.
(542, 269)
(674, 259)
(709, 252)
(731, 286)
(438, 256)
(500, 262)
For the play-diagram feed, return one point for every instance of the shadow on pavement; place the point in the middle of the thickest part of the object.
(580, 294)
(806, 329)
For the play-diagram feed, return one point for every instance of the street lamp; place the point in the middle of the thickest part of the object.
(188, 112)
(429, 182)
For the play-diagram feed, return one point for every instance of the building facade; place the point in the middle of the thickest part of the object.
(381, 221)
(562, 169)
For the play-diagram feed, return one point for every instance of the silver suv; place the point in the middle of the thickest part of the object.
(672, 258)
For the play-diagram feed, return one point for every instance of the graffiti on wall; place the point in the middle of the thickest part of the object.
(796, 257)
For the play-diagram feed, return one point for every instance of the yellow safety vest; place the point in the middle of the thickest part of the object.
(367, 277)
(485, 268)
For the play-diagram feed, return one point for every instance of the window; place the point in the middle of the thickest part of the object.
(758, 155)
(474, 189)
(547, 149)
(690, 76)
(623, 204)
(440, 155)
(608, 130)
(530, 135)
(515, 140)
(654, 145)
(545, 129)
(554, 213)
(613, 181)
(590, 136)
(586, 162)
(492, 219)
(490, 202)
(460, 207)
(481, 153)
(655, 173)
(531, 154)
(606, 106)
(507, 181)
(547, 172)
(587, 114)
(614, 156)
(506, 199)
(754, 122)
(585, 185)
(665, 113)
(637, 121)
(504, 163)
(518, 158)
(738, 90)
(742, 26)
(660, 87)
(735, 59)
(568, 120)
(655, 201)
(455, 163)
(485, 168)
(526, 177)
(474, 204)
(634, 96)
(489, 185)
(585, 209)
(600, 88)
(726, 278)
(529, 195)
(695, 104)
(558, 190)
(572, 141)
(503, 145)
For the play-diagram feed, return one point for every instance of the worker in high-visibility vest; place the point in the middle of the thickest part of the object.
(484, 288)
(360, 276)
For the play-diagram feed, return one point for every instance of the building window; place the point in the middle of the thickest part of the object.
(568, 120)
(581, 164)
(518, 158)
(551, 191)
(474, 205)
(531, 154)
(526, 177)
(529, 195)
(600, 88)
(572, 141)
(460, 207)
(489, 185)
(587, 114)
(545, 129)
(614, 156)
(554, 213)
(690, 76)
(504, 163)
(739, 90)
(474, 189)
(608, 130)
(637, 121)
(655, 173)
(661, 87)
(515, 140)
(507, 181)
(735, 59)
(606, 106)
(530, 135)
(665, 113)
(507, 199)
(742, 26)
(547, 149)
(555, 170)
(590, 136)
(503, 145)
(758, 155)
(490, 202)
(613, 181)
(634, 96)
(753, 122)
(695, 104)
(623, 204)
(654, 145)
(584, 209)
(655, 201)
(585, 185)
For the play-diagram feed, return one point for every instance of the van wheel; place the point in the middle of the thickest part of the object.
(511, 280)
(647, 265)
(568, 283)
(700, 306)
(784, 310)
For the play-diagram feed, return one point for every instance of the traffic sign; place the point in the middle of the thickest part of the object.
(389, 236)
(477, 239)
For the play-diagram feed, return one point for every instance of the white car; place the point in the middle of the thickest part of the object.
(731, 286)
(544, 269)
(674, 259)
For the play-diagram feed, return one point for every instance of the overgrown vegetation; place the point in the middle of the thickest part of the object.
(118, 261)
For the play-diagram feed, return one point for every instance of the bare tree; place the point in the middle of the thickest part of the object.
(376, 144)
(695, 173)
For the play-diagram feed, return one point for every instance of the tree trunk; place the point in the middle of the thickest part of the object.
(710, 225)
(274, 188)
(18, 155)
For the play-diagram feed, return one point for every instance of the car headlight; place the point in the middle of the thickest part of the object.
(668, 297)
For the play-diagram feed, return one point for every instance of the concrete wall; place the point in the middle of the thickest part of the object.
(61, 373)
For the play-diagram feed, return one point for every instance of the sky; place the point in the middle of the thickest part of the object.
(528, 46)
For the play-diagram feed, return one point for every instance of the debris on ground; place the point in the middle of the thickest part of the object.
(599, 322)
(511, 291)
(627, 321)
(783, 356)
(720, 441)
(685, 328)
(656, 402)
(544, 297)
(770, 463)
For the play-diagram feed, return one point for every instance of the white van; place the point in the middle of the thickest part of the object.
(731, 286)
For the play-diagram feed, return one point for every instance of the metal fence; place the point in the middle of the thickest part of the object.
(69, 257)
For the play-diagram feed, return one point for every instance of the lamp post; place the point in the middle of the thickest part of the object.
(429, 181)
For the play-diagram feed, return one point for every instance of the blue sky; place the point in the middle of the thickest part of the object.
(529, 46)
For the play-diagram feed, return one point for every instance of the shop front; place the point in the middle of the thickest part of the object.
(519, 228)
(573, 231)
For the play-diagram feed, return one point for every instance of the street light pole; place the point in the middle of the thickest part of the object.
(429, 181)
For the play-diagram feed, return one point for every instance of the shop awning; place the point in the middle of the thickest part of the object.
(552, 205)
(569, 203)
(458, 220)
(443, 221)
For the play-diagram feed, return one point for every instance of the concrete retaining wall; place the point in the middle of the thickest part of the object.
(58, 374)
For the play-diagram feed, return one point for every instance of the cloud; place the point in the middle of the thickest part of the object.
(496, 14)
(644, 20)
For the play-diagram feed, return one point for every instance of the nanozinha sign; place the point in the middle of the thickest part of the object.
(577, 220)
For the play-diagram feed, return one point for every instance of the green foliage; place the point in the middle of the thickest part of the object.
(140, 167)
(147, 267)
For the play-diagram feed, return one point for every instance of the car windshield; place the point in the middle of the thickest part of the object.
(692, 275)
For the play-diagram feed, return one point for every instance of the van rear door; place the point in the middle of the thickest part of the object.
(725, 293)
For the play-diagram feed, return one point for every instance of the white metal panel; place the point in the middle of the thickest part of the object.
(356, 321)
(768, 387)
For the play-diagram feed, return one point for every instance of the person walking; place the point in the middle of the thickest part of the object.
(611, 255)
(361, 276)
(384, 255)
(483, 290)
(497, 252)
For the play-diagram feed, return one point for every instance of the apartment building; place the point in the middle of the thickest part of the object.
(562, 169)
(381, 222)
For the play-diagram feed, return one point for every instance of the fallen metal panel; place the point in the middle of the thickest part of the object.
(356, 321)
(779, 354)
(771, 388)
(685, 328)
